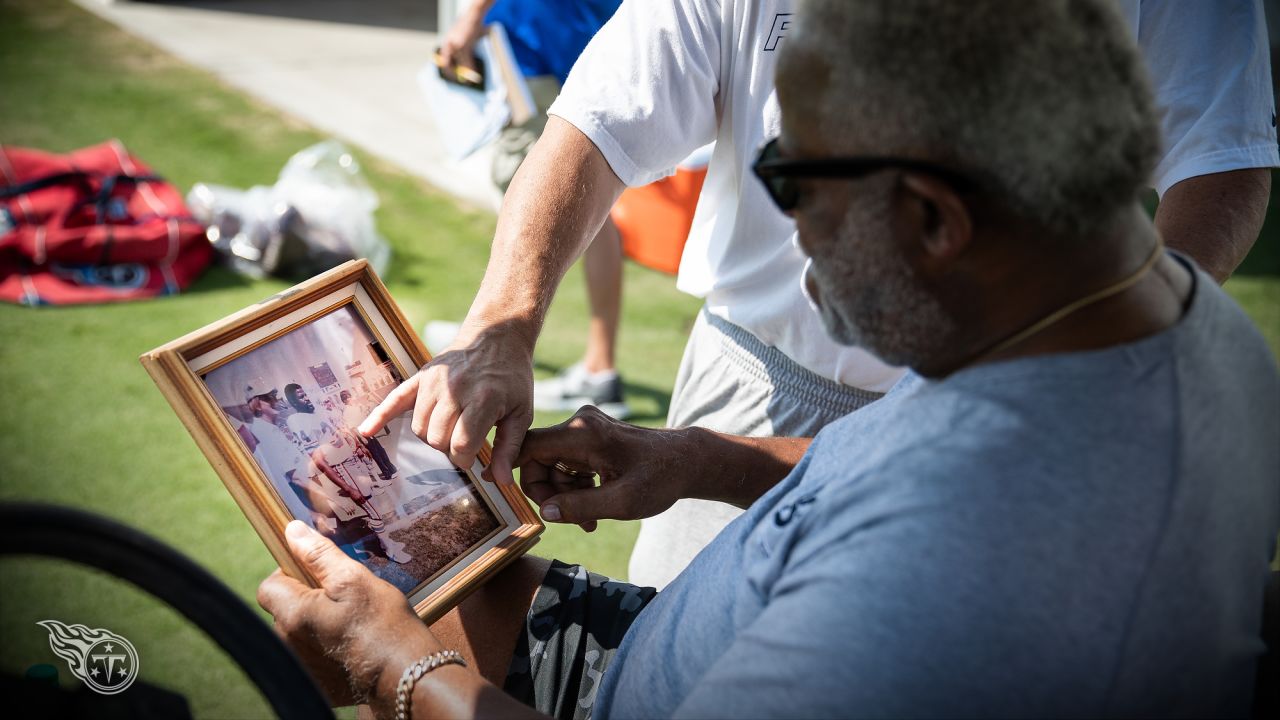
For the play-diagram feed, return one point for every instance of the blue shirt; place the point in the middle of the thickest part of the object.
(547, 36)
(1076, 534)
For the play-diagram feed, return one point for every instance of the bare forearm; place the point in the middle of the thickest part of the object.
(479, 8)
(644, 471)
(556, 203)
(455, 692)
(738, 470)
(484, 379)
(459, 694)
(1215, 219)
(450, 691)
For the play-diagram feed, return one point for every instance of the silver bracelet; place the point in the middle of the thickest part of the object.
(414, 673)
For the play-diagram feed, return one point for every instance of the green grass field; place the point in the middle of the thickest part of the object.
(83, 425)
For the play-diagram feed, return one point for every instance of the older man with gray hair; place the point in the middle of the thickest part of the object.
(1067, 509)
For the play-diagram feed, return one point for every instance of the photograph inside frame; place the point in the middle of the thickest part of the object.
(393, 503)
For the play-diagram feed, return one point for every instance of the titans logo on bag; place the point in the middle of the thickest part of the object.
(125, 276)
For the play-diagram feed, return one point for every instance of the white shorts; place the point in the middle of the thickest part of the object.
(731, 382)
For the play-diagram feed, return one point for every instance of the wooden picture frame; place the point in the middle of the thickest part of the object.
(295, 371)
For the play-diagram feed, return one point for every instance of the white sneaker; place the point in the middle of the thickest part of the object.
(394, 550)
(575, 387)
(325, 524)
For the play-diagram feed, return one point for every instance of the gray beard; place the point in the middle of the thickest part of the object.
(874, 302)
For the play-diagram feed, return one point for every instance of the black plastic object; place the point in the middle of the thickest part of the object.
(165, 573)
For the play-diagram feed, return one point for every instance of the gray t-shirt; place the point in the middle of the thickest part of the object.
(1076, 534)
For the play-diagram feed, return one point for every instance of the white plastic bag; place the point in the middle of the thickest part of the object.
(319, 214)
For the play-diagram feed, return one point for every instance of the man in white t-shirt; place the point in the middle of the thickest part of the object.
(664, 77)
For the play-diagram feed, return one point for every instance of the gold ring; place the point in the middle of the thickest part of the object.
(570, 471)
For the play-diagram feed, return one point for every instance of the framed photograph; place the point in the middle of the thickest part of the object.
(273, 394)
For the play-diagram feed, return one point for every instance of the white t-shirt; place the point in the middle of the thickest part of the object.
(316, 431)
(277, 455)
(353, 415)
(1211, 73)
(662, 78)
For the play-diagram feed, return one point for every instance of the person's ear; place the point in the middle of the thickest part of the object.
(945, 224)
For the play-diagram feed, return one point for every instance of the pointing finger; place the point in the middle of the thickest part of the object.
(395, 404)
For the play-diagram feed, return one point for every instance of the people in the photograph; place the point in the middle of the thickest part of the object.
(329, 448)
(281, 458)
(352, 415)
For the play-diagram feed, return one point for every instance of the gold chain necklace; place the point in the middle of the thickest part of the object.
(1053, 317)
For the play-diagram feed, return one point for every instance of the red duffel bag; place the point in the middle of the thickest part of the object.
(92, 226)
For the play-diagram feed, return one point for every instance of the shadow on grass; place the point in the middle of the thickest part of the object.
(661, 399)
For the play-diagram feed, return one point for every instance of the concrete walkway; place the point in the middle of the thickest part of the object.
(345, 67)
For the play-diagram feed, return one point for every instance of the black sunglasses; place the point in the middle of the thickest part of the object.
(777, 173)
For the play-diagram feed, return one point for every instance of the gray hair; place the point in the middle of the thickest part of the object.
(1045, 102)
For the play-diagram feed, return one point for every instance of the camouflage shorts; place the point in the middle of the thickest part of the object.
(573, 629)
